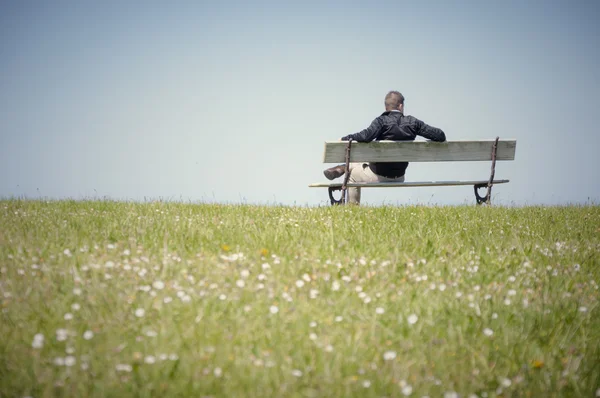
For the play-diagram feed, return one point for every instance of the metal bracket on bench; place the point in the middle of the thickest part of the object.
(488, 196)
(344, 188)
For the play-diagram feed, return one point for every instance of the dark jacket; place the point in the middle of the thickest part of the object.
(394, 126)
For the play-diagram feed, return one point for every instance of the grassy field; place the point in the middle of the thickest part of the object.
(112, 299)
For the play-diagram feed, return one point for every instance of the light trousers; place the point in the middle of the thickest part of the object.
(361, 172)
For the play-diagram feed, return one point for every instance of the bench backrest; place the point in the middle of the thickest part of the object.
(419, 151)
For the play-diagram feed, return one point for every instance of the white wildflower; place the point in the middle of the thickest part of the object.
(77, 291)
(244, 273)
(583, 309)
(70, 360)
(339, 318)
(273, 309)
(75, 307)
(488, 332)
(140, 312)
(366, 384)
(312, 336)
(407, 390)
(150, 359)
(145, 288)
(88, 334)
(505, 382)
(68, 316)
(335, 286)
(38, 341)
(299, 283)
(412, 319)
(158, 285)
(240, 283)
(123, 367)
(512, 292)
(297, 373)
(61, 334)
(389, 355)
(217, 372)
(379, 310)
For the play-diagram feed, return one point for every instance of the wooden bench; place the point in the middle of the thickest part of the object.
(417, 151)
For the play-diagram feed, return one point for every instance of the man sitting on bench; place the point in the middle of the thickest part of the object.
(391, 125)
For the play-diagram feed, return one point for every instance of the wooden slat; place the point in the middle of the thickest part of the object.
(404, 184)
(419, 151)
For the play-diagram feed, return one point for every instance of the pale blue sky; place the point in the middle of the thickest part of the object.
(232, 102)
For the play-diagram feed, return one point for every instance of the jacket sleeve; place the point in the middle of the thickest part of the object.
(429, 132)
(368, 134)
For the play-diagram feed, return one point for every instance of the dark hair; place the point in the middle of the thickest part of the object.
(393, 100)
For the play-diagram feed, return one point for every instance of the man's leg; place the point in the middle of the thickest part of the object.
(359, 172)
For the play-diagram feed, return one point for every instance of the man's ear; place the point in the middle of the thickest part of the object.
(401, 108)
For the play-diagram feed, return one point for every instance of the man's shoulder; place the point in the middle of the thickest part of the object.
(410, 117)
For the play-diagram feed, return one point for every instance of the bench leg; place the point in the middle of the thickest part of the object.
(487, 199)
(482, 199)
(333, 201)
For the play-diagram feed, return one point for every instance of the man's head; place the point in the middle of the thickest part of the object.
(394, 101)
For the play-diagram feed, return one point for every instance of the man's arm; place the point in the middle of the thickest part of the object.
(368, 134)
(429, 132)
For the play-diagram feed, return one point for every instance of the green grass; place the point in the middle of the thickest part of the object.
(505, 300)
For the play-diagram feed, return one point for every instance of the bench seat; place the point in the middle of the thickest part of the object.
(404, 184)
